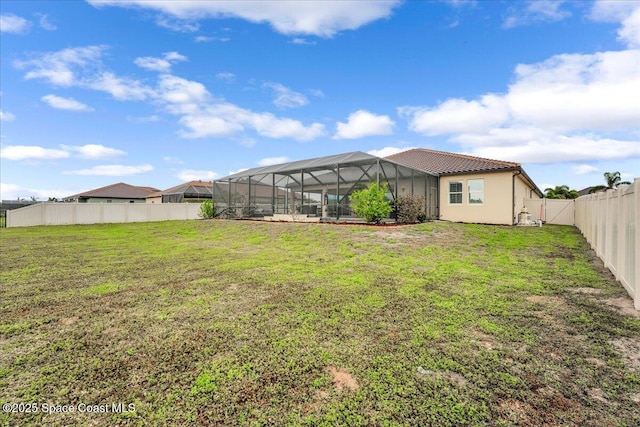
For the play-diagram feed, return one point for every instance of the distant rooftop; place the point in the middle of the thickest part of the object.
(120, 190)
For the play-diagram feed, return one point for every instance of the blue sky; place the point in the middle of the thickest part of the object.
(156, 93)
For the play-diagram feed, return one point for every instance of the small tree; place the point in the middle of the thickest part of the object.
(371, 203)
(207, 210)
(560, 192)
(410, 208)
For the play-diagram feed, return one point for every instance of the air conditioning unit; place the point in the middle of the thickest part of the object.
(524, 217)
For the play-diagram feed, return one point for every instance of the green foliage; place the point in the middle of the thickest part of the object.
(612, 179)
(207, 210)
(560, 192)
(371, 203)
(410, 208)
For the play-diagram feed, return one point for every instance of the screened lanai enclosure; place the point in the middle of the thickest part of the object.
(319, 187)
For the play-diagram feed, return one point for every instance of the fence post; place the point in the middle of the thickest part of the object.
(636, 212)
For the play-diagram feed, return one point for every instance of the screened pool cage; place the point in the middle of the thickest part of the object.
(319, 187)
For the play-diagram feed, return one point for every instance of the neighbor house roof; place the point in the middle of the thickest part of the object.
(116, 191)
(443, 163)
(191, 187)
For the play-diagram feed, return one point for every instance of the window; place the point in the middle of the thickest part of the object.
(476, 191)
(455, 193)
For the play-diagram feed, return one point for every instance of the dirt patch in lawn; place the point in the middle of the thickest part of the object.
(342, 380)
(623, 305)
(630, 349)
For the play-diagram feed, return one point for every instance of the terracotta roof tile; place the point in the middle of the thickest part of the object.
(443, 163)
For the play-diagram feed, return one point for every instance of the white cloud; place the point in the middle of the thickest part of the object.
(536, 11)
(536, 145)
(95, 151)
(268, 161)
(177, 25)
(13, 192)
(388, 151)
(6, 116)
(31, 152)
(64, 67)
(566, 108)
(238, 171)
(203, 39)
(145, 119)
(285, 17)
(457, 115)
(224, 119)
(627, 13)
(10, 23)
(122, 89)
(583, 169)
(197, 175)
(112, 170)
(226, 77)
(153, 64)
(363, 123)
(172, 160)
(60, 103)
(200, 115)
(45, 23)
(285, 97)
(162, 65)
(302, 41)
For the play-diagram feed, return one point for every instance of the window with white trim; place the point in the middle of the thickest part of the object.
(455, 192)
(476, 191)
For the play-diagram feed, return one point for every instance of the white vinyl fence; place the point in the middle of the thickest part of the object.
(610, 221)
(99, 213)
(551, 211)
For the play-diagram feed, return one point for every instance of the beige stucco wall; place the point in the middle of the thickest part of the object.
(498, 205)
(114, 200)
(154, 200)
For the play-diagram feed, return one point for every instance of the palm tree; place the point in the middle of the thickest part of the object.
(560, 192)
(612, 179)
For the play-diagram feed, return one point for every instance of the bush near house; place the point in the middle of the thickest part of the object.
(371, 203)
(410, 208)
(207, 210)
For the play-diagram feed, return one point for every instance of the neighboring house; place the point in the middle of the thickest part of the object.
(192, 191)
(474, 189)
(115, 193)
(455, 187)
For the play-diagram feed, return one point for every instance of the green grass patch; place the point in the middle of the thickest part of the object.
(249, 323)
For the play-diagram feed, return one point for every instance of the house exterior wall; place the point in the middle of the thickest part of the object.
(113, 200)
(497, 207)
(154, 200)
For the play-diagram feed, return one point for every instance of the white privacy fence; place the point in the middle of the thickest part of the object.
(98, 213)
(552, 211)
(610, 221)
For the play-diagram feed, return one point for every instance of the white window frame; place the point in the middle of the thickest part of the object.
(475, 192)
(451, 193)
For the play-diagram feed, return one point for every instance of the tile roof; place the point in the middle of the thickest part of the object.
(443, 163)
(181, 188)
(117, 191)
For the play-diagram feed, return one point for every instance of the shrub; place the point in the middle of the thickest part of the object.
(371, 204)
(207, 209)
(410, 208)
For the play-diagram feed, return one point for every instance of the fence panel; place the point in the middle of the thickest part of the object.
(609, 221)
(552, 211)
(99, 213)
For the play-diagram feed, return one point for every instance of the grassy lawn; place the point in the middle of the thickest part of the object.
(247, 323)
